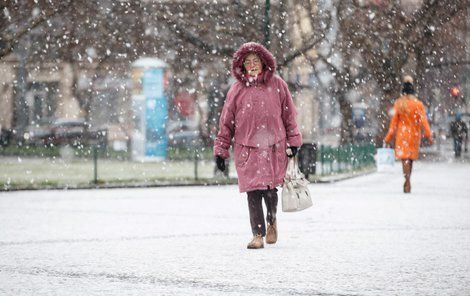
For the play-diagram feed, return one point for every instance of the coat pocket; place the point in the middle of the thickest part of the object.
(242, 154)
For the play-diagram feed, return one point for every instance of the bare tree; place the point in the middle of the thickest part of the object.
(106, 35)
(209, 37)
(19, 18)
(388, 38)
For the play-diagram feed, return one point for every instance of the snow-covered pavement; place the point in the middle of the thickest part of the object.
(362, 237)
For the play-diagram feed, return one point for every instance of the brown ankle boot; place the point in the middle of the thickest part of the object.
(271, 233)
(256, 242)
(407, 185)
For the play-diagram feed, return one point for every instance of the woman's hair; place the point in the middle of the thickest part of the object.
(408, 88)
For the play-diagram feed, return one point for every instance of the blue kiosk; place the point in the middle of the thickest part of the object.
(150, 109)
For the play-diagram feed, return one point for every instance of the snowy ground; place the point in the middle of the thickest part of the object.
(362, 237)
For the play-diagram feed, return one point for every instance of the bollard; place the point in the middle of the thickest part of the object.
(196, 157)
(322, 159)
(95, 164)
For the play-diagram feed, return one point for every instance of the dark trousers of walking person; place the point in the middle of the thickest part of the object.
(407, 168)
(458, 147)
(255, 207)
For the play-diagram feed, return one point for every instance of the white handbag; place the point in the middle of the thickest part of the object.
(295, 194)
(385, 159)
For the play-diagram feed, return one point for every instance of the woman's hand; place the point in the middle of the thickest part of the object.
(220, 163)
(291, 151)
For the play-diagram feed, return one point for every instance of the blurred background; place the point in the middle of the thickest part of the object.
(117, 92)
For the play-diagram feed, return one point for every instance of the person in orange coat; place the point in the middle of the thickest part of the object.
(409, 118)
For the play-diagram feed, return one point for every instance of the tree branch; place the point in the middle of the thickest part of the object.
(195, 40)
(12, 40)
(310, 45)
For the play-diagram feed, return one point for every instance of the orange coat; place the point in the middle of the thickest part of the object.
(409, 117)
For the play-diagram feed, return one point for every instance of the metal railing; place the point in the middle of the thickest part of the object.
(58, 167)
(345, 158)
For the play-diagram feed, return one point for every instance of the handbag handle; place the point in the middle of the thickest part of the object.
(293, 171)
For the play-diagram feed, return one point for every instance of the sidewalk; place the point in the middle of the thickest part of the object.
(363, 236)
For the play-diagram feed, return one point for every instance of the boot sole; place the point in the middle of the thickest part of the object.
(253, 248)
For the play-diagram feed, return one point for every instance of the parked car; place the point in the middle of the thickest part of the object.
(59, 132)
(68, 131)
(184, 138)
(39, 133)
(183, 133)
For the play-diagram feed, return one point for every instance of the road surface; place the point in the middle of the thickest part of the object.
(363, 236)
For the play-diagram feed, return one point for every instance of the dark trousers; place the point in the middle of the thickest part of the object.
(457, 146)
(255, 207)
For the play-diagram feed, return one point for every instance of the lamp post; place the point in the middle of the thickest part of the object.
(21, 106)
(267, 7)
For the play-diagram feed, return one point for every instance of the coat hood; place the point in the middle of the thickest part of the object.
(269, 63)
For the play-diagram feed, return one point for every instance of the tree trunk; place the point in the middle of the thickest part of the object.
(383, 117)
(422, 92)
(347, 129)
(420, 72)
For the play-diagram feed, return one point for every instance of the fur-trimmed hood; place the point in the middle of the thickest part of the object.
(269, 63)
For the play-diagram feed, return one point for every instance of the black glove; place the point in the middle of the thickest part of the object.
(220, 163)
(293, 150)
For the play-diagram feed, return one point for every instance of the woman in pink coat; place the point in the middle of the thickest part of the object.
(258, 119)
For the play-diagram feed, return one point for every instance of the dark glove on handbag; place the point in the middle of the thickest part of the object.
(220, 163)
(293, 150)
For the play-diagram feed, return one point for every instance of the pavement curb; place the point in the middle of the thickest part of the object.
(128, 185)
(202, 182)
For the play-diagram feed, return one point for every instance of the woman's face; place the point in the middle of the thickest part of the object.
(252, 64)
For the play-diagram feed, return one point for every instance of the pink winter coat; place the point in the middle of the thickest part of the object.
(259, 116)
